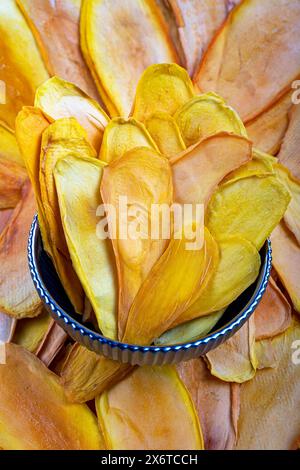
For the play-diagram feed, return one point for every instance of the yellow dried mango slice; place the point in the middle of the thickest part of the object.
(199, 169)
(55, 26)
(58, 98)
(289, 151)
(122, 135)
(249, 207)
(77, 181)
(86, 374)
(237, 269)
(190, 331)
(162, 88)
(30, 332)
(261, 164)
(169, 421)
(22, 69)
(235, 64)
(205, 115)
(46, 420)
(165, 132)
(9, 149)
(18, 296)
(140, 39)
(143, 177)
(167, 292)
(12, 178)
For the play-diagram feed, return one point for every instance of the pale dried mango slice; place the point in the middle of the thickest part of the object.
(30, 125)
(205, 115)
(7, 328)
(286, 261)
(167, 292)
(268, 129)
(5, 215)
(168, 421)
(237, 269)
(235, 64)
(249, 207)
(198, 170)
(122, 135)
(289, 151)
(216, 402)
(58, 98)
(22, 68)
(190, 331)
(165, 132)
(12, 178)
(144, 177)
(273, 396)
(86, 374)
(273, 315)
(197, 22)
(9, 149)
(51, 344)
(235, 360)
(55, 26)
(18, 296)
(261, 164)
(162, 88)
(140, 39)
(30, 331)
(46, 420)
(77, 181)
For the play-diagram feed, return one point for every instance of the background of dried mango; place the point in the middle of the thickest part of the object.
(246, 392)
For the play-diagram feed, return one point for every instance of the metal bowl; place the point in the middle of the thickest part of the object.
(57, 303)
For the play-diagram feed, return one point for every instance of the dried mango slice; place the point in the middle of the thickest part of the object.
(289, 152)
(18, 296)
(237, 269)
(122, 135)
(268, 129)
(30, 331)
(77, 182)
(165, 132)
(12, 178)
(51, 344)
(144, 177)
(7, 328)
(86, 374)
(197, 23)
(235, 63)
(249, 207)
(55, 26)
(286, 261)
(9, 149)
(58, 98)
(140, 39)
(190, 331)
(30, 125)
(273, 314)
(216, 402)
(162, 88)
(198, 170)
(235, 360)
(261, 406)
(128, 424)
(46, 420)
(22, 69)
(5, 215)
(167, 291)
(205, 115)
(261, 164)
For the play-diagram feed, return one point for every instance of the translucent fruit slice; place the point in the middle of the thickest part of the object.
(12, 178)
(165, 132)
(9, 149)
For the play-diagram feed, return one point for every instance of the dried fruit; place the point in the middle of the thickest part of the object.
(7, 328)
(5, 215)
(45, 420)
(12, 178)
(144, 177)
(77, 182)
(122, 135)
(260, 165)
(51, 344)
(289, 152)
(128, 424)
(235, 64)
(9, 149)
(141, 39)
(165, 133)
(162, 88)
(30, 331)
(198, 170)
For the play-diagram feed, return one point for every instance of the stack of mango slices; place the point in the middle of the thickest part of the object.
(167, 102)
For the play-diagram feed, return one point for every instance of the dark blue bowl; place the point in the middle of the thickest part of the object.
(57, 303)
